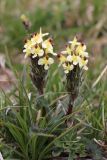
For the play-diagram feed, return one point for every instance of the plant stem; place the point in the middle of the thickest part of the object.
(72, 98)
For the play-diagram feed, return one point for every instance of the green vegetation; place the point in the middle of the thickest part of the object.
(26, 132)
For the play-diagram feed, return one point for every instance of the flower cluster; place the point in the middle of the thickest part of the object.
(74, 54)
(37, 47)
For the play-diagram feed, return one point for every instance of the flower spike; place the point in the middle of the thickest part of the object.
(74, 60)
(41, 52)
(75, 54)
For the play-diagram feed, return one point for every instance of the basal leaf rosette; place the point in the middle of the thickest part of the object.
(39, 48)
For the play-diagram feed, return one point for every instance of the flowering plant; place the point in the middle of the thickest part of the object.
(40, 50)
(74, 60)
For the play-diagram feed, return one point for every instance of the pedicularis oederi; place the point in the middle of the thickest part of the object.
(39, 47)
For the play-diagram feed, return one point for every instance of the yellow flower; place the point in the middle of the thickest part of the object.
(48, 47)
(37, 51)
(84, 54)
(80, 50)
(62, 58)
(74, 59)
(47, 44)
(28, 44)
(28, 52)
(46, 61)
(27, 48)
(38, 37)
(83, 63)
(67, 67)
(67, 51)
(74, 43)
